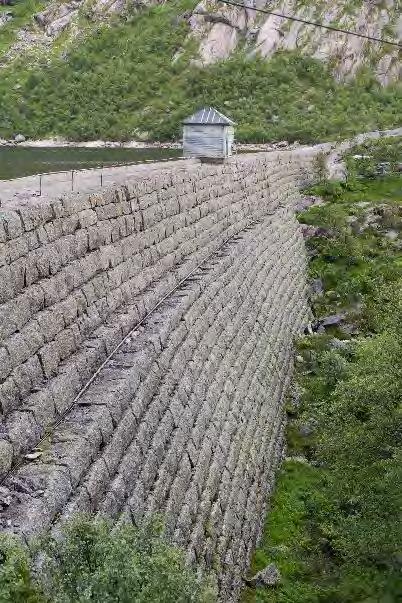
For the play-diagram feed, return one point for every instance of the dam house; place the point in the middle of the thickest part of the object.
(208, 135)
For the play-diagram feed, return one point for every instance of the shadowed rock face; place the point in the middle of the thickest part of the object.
(208, 263)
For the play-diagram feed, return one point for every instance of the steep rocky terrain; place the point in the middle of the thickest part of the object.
(220, 29)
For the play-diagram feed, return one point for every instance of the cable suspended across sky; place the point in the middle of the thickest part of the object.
(313, 23)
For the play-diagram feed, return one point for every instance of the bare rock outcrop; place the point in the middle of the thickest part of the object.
(57, 17)
(5, 18)
(220, 29)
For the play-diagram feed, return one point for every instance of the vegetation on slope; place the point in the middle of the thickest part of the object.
(136, 80)
(22, 12)
(89, 562)
(335, 526)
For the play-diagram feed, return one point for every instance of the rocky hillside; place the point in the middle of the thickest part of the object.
(132, 69)
(223, 29)
(220, 30)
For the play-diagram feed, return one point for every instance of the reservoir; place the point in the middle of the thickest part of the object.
(16, 161)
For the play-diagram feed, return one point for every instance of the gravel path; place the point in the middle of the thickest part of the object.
(22, 190)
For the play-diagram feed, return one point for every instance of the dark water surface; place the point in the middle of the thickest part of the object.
(25, 161)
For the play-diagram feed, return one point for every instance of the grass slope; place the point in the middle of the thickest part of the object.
(134, 80)
(335, 528)
(22, 12)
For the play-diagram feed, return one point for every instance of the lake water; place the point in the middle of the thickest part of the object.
(25, 161)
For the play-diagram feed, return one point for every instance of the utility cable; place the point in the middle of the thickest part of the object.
(313, 23)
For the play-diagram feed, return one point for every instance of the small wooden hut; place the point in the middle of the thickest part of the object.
(208, 135)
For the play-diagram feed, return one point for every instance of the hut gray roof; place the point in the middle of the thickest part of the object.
(209, 115)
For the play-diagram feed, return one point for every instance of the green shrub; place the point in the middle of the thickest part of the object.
(17, 584)
(339, 538)
(90, 561)
(360, 444)
(363, 160)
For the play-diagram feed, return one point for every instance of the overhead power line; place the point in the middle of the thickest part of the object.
(313, 23)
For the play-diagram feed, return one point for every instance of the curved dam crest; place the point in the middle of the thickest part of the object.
(199, 273)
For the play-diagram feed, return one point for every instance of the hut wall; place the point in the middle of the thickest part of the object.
(204, 141)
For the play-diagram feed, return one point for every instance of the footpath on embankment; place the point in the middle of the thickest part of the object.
(27, 189)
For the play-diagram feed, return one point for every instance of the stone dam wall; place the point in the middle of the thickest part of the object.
(186, 418)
